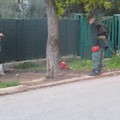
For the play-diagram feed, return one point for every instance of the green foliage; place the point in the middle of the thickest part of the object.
(89, 6)
(113, 63)
(78, 64)
(60, 9)
(24, 9)
(73, 63)
(93, 4)
(36, 8)
(8, 9)
(115, 8)
(9, 84)
(107, 5)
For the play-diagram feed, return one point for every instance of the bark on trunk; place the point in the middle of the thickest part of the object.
(52, 50)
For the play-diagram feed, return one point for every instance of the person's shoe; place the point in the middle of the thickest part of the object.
(95, 72)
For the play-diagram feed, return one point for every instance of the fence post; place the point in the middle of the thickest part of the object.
(119, 33)
(110, 23)
(79, 17)
(85, 41)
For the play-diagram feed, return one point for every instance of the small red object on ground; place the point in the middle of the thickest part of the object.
(63, 65)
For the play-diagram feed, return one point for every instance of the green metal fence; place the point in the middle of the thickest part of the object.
(26, 38)
(85, 42)
(116, 32)
(109, 22)
(84, 38)
(119, 33)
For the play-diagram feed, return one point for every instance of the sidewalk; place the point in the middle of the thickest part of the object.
(42, 83)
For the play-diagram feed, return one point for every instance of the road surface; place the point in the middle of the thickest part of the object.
(97, 99)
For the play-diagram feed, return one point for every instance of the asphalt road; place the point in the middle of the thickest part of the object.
(97, 99)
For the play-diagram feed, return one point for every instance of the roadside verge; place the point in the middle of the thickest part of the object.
(42, 83)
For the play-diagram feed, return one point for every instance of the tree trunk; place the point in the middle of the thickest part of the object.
(52, 50)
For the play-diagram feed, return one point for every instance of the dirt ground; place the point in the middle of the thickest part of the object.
(21, 75)
(26, 75)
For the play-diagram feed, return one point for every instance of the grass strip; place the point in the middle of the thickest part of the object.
(9, 84)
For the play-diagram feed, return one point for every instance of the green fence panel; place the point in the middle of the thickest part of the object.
(85, 41)
(117, 32)
(19, 37)
(63, 36)
(69, 34)
(42, 33)
(109, 22)
(2, 44)
(26, 38)
(34, 38)
(72, 36)
(9, 28)
(85, 44)
(84, 48)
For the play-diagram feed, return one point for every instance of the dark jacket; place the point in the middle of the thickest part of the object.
(94, 34)
(102, 29)
(99, 29)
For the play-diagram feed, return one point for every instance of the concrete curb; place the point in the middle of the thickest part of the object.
(75, 79)
(14, 89)
(21, 88)
(65, 81)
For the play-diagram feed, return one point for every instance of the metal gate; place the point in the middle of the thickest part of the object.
(85, 42)
(116, 32)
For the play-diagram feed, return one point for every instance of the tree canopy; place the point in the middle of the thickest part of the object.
(65, 8)
(84, 6)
